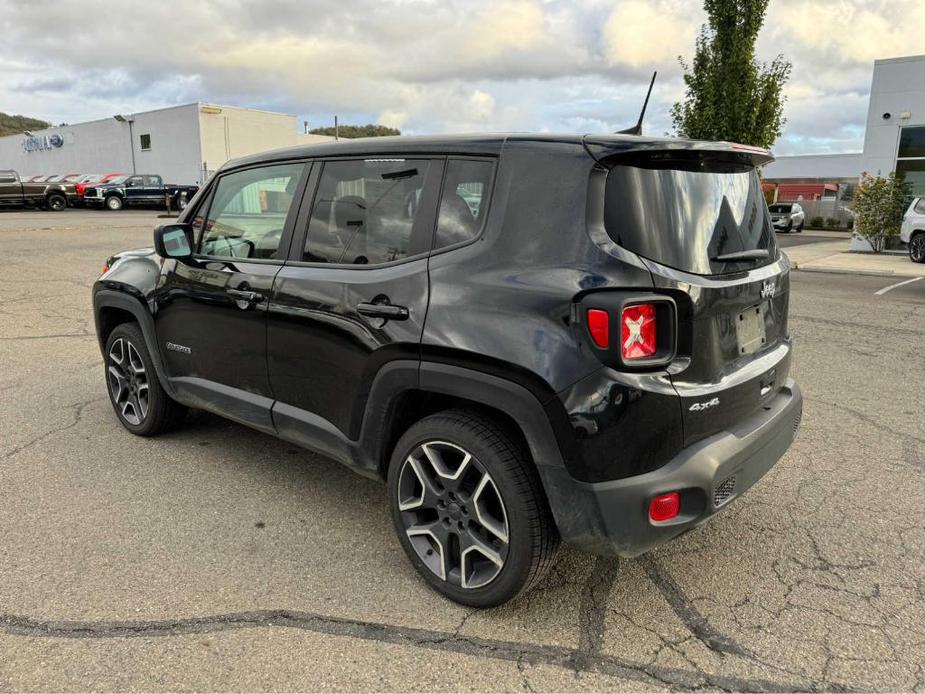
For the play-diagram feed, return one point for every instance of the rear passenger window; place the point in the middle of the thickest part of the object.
(464, 204)
(365, 211)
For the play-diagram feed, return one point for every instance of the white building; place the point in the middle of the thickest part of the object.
(184, 144)
(894, 139)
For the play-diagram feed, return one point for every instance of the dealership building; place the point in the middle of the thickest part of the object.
(894, 139)
(184, 144)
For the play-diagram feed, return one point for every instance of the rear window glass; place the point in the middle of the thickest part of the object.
(464, 204)
(684, 214)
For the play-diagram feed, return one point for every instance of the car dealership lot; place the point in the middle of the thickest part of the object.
(219, 558)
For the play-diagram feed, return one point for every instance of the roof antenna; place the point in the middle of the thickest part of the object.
(637, 129)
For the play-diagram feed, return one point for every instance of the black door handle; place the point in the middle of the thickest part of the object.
(245, 295)
(387, 311)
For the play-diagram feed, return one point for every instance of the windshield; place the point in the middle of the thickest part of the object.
(780, 209)
(685, 214)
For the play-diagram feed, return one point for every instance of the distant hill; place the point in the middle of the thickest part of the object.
(350, 131)
(13, 125)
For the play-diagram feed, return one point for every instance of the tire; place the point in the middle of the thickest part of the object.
(800, 228)
(917, 247)
(56, 202)
(492, 503)
(181, 202)
(139, 401)
(113, 202)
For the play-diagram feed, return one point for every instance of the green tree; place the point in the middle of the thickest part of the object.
(879, 204)
(729, 94)
(13, 125)
(350, 131)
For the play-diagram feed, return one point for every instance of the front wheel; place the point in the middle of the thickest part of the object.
(800, 228)
(114, 202)
(141, 404)
(917, 248)
(469, 509)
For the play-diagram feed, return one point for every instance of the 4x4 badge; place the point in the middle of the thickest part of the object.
(706, 405)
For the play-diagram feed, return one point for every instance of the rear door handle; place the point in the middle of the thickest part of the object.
(245, 295)
(387, 311)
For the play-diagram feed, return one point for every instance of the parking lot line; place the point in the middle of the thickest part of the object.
(894, 286)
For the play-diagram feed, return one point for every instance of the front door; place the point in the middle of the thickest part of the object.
(211, 313)
(354, 294)
(134, 190)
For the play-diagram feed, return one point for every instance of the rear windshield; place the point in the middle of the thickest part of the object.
(685, 212)
(779, 209)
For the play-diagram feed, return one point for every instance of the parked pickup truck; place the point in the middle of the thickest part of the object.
(140, 189)
(17, 193)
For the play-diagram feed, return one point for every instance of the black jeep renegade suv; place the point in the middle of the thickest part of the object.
(527, 337)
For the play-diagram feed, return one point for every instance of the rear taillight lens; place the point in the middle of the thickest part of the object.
(638, 333)
(599, 327)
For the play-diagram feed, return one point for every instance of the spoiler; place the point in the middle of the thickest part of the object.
(604, 148)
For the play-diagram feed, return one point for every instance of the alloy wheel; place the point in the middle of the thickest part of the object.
(917, 248)
(128, 381)
(453, 514)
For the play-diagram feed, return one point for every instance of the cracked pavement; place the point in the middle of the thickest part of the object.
(219, 558)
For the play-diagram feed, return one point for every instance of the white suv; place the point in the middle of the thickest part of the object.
(786, 216)
(913, 230)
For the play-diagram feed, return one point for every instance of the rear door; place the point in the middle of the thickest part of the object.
(701, 224)
(354, 293)
(153, 189)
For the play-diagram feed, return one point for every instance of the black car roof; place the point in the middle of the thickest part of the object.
(598, 146)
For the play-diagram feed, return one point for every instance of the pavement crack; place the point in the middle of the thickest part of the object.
(696, 623)
(78, 409)
(593, 607)
(519, 653)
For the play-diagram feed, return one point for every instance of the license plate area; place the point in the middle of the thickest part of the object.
(750, 331)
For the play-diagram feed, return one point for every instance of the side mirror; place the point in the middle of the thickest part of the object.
(174, 241)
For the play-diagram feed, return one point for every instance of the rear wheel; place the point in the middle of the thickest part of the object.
(113, 202)
(141, 405)
(800, 228)
(56, 202)
(469, 509)
(917, 248)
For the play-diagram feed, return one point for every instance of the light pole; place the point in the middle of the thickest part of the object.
(131, 138)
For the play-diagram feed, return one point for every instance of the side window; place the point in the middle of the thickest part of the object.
(248, 212)
(134, 182)
(7, 178)
(920, 206)
(145, 141)
(464, 204)
(152, 181)
(365, 210)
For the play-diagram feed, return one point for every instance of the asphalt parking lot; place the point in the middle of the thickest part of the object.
(217, 558)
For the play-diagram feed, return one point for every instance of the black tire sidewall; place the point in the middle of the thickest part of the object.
(920, 239)
(131, 333)
(113, 197)
(56, 196)
(517, 567)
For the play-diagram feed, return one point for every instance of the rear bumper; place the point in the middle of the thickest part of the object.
(612, 518)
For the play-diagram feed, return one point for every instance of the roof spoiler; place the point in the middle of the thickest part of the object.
(604, 149)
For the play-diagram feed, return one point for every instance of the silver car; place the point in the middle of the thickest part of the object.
(912, 231)
(787, 216)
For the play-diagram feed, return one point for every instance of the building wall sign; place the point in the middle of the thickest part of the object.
(38, 143)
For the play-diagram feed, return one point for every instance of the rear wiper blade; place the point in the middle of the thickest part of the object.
(756, 254)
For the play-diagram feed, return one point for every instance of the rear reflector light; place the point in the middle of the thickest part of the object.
(665, 507)
(599, 327)
(637, 332)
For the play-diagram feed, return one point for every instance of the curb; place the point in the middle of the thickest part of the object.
(840, 271)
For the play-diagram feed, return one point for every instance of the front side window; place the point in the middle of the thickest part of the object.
(248, 212)
(152, 181)
(134, 182)
(464, 204)
(365, 211)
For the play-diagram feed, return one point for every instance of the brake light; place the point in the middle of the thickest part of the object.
(637, 332)
(665, 507)
(599, 327)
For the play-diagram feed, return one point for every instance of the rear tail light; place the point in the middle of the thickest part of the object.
(638, 332)
(665, 507)
(599, 327)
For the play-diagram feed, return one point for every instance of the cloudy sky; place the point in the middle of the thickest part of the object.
(435, 66)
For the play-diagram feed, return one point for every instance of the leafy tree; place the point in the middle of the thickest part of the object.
(350, 131)
(13, 125)
(729, 94)
(879, 204)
